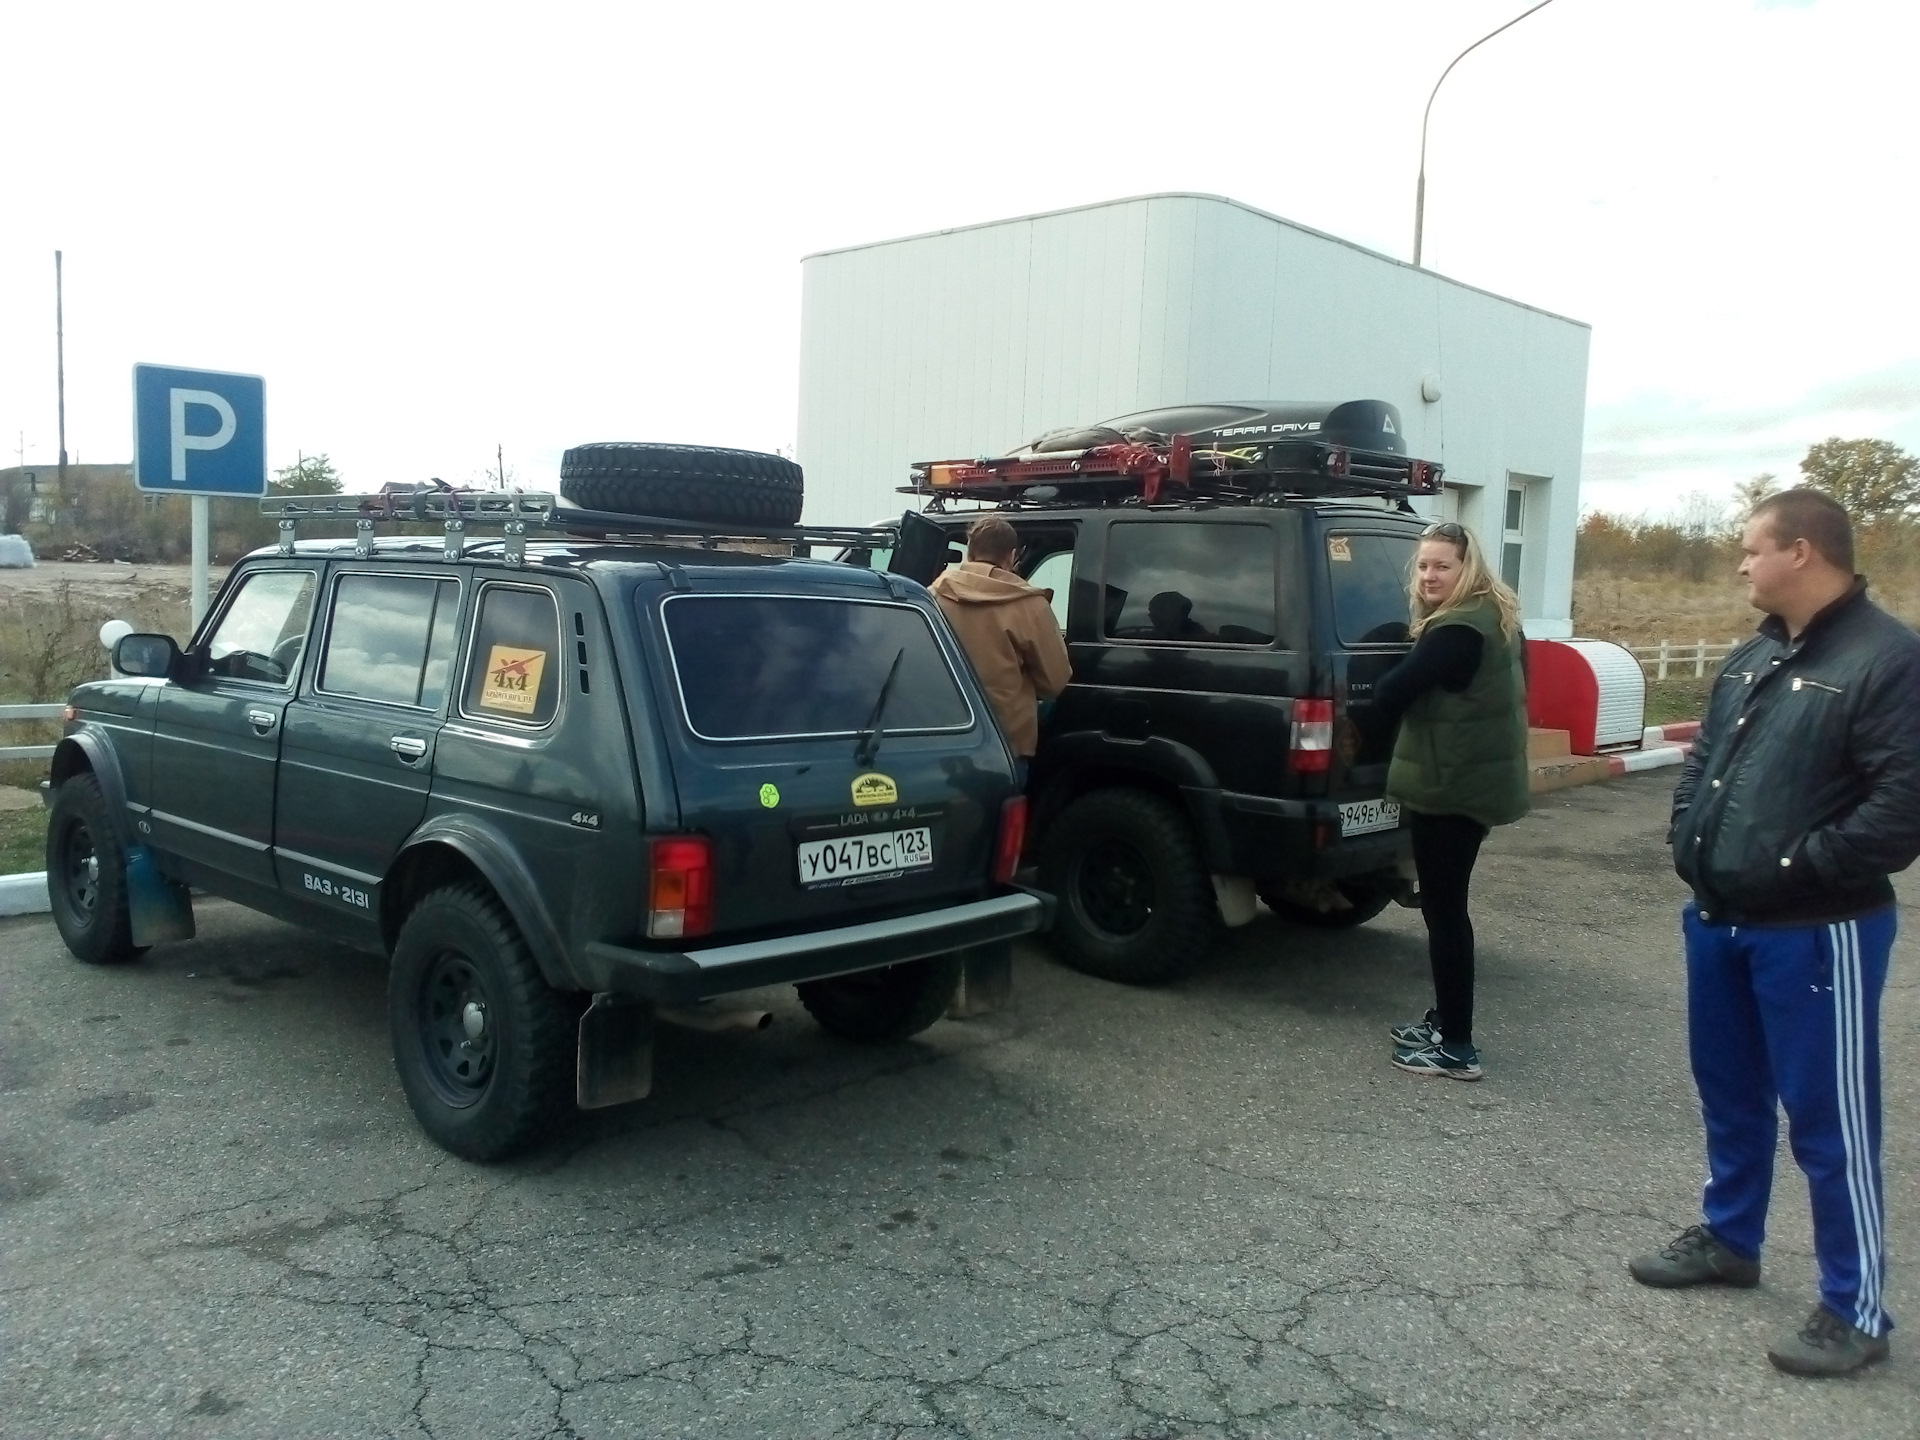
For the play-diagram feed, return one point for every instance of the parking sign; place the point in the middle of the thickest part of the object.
(199, 432)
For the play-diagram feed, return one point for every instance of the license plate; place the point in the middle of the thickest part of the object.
(1363, 817)
(854, 858)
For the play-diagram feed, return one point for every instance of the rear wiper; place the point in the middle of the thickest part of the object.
(868, 744)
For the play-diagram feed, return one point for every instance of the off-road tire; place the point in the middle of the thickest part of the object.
(1136, 903)
(87, 875)
(876, 1006)
(1365, 902)
(488, 1098)
(683, 482)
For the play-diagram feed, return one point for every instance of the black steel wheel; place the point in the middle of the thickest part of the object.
(890, 1003)
(484, 1046)
(87, 875)
(1136, 901)
(1365, 899)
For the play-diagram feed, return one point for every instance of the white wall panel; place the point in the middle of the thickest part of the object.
(970, 341)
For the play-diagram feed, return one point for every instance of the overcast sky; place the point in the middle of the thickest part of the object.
(435, 228)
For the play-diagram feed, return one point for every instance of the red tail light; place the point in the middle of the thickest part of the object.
(680, 888)
(1312, 743)
(1013, 838)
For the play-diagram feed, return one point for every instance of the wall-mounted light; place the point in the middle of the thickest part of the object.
(1430, 388)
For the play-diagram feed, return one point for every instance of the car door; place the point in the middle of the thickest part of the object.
(216, 731)
(356, 751)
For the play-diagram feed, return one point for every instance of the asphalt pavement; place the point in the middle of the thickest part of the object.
(1211, 1209)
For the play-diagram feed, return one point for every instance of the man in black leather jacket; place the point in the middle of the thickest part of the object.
(1800, 797)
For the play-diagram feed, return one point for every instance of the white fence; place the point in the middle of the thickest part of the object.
(1697, 658)
(28, 712)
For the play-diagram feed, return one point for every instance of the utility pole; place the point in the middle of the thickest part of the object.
(500, 459)
(1420, 191)
(60, 365)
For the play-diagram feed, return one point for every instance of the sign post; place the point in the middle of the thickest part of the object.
(199, 433)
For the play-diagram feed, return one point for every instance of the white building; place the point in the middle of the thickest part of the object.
(971, 341)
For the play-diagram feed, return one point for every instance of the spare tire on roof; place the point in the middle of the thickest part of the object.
(683, 482)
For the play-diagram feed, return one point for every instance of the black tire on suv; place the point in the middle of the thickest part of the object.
(1364, 901)
(484, 1046)
(1136, 901)
(881, 1005)
(684, 482)
(87, 875)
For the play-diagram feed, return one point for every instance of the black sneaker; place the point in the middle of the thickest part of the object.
(1827, 1345)
(1694, 1258)
(1417, 1034)
(1456, 1062)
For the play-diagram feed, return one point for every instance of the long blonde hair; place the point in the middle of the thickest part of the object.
(1477, 580)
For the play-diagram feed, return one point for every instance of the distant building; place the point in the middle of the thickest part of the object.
(41, 484)
(974, 340)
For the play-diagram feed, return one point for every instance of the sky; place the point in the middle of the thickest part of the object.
(438, 229)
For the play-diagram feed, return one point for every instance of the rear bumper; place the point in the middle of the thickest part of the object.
(1263, 836)
(680, 977)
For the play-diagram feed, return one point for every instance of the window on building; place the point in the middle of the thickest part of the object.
(391, 639)
(513, 670)
(1191, 583)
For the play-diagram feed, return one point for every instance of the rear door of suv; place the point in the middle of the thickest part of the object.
(1363, 564)
(770, 682)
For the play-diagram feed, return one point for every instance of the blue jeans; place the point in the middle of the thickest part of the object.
(1792, 1017)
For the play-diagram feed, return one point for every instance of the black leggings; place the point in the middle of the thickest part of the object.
(1444, 849)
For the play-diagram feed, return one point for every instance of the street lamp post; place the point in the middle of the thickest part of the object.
(1420, 191)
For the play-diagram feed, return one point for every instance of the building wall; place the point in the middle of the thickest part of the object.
(971, 341)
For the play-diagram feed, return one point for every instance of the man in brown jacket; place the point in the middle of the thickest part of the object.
(1007, 628)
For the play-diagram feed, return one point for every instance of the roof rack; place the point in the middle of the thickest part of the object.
(1134, 472)
(514, 513)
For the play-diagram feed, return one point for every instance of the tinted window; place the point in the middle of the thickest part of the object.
(1055, 573)
(1369, 575)
(1190, 583)
(390, 638)
(513, 670)
(263, 631)
(760, 666)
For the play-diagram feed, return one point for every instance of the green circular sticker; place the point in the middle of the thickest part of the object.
(769, 796)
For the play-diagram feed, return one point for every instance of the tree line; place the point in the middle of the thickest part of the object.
(1877, 482)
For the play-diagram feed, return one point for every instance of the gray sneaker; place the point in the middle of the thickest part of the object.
(1455, 1062)
(1694, 1257)
(1827, 1345)
(1417, 1034)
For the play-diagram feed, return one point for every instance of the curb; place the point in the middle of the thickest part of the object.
(1659, 735)
(24, 894)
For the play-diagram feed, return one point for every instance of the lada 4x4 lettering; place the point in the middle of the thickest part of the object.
(590, 772)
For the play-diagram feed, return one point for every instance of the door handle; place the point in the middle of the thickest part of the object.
(261, 720)
(408, 747)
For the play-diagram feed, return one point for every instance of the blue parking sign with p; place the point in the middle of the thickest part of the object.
(199, 432)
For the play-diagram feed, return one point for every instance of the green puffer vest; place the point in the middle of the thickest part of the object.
(1466, 754)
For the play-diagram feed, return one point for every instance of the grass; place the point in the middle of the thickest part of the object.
(23, 841)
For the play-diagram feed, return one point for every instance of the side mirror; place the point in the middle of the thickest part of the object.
(153, 657)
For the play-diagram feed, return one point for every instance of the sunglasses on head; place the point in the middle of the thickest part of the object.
(1446, 530)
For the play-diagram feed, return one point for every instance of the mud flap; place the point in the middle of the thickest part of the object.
(158, 909)
(986, 980)
(616, 1052)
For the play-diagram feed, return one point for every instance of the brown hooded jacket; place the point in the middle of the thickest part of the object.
(1007, 628)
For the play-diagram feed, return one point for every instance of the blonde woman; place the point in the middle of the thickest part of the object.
(1459, 768)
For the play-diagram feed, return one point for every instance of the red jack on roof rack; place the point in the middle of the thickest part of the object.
(1216, 453)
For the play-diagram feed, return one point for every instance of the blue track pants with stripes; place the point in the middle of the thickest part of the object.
(1793, 1016)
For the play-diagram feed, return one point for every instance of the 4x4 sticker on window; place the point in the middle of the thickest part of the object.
(1340, 548)
(512, 685)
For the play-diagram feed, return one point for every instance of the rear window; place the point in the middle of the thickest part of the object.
(1369, 574)
(764, 667)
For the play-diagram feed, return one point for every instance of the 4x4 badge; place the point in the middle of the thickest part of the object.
(874, 788)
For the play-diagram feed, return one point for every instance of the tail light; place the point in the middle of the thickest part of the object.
(1012, 839)
(1311, 746)
(680, 888)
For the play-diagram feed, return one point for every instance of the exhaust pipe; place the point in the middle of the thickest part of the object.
(706, 1017)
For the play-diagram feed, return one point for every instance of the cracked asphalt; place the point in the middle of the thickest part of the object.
(1210, 1210)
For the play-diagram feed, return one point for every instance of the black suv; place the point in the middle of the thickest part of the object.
(1227, 611)
(570, 785)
